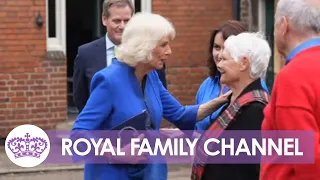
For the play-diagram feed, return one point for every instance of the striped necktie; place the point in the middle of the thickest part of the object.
(115, 50)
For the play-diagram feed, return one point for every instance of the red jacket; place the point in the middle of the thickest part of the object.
(295, 105)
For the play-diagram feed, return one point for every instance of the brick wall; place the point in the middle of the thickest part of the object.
(193, 20)
(32, 81)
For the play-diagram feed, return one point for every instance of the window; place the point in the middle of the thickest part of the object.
(56, 21)
(142, 5)
(56, 26)
(257, 16)
(139, 6)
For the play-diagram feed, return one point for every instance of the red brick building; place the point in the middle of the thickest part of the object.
(32, 76)
(39, 40)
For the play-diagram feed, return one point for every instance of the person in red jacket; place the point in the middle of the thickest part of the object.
(295, 100)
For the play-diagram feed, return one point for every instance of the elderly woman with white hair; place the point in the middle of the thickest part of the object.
(131, 85)
(243, 62)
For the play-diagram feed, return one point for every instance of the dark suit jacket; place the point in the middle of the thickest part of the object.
(90, 59)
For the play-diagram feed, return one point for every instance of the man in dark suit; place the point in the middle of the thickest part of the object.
(98, 54)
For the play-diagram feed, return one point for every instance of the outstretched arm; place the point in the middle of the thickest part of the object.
(185, 117)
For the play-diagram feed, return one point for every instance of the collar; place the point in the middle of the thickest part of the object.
(305, 45)
(122, 64)
(109, 43)
(256, 84)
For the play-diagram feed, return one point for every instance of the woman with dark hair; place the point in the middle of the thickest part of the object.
(211, 87)
(244, 61)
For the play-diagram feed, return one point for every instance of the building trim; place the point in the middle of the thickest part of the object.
(262, 15)
(59, 42)
(146, 5)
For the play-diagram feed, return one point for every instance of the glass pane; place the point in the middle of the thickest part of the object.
(137, 5)
(52, 18)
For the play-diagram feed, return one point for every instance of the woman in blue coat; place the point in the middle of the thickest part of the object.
(211, 87)
(129, 86)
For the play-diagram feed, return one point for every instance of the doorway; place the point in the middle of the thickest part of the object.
(83, 25)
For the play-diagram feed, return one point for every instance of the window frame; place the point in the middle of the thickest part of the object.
(57, 43)
(262, 15)
(146, 5)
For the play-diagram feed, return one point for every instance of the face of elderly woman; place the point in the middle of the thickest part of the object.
(160, 53)
(230, 69)
(217, 47)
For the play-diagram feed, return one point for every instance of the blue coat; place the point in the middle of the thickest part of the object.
(90, 59)
(116, 96)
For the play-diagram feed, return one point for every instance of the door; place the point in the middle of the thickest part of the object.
(81, 28)
(84, 24)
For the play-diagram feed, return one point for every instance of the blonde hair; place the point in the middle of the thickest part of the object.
(141, 35)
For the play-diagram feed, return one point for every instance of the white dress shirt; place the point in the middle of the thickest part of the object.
(109, 50)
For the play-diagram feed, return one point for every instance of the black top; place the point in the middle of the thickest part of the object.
(143, 83)
(250, 118)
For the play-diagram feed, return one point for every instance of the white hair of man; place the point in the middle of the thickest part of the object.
(254, 47)
(141, 35)
(303, 14)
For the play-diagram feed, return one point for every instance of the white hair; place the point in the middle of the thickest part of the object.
(304, 14)
(253, 46)
(141, 35)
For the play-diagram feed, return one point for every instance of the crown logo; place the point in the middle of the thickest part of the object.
(27, 147)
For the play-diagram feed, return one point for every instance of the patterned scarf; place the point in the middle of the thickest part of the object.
(222, 123)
